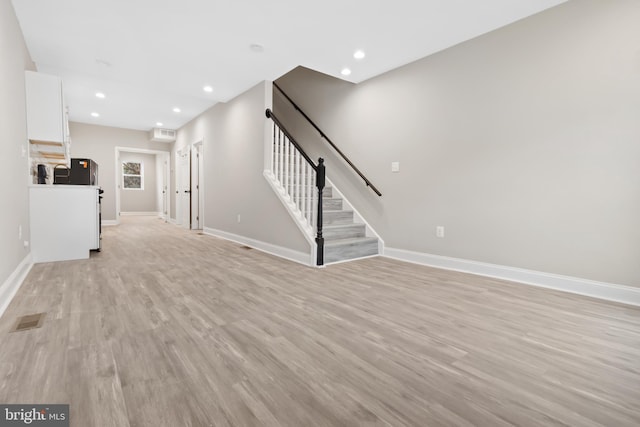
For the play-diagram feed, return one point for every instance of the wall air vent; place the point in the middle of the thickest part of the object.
(162, 135)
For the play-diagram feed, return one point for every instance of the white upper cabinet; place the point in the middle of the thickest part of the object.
(47, 123)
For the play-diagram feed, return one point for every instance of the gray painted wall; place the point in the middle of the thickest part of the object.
(144, 200)
(523, 143)
(99, 143)
(233, 135)
(14, 60)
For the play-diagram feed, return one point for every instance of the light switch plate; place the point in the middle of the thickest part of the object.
(395, 166)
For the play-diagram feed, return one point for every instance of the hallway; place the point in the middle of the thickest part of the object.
(167, 327)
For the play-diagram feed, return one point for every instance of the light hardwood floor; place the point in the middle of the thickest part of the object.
(167, 327)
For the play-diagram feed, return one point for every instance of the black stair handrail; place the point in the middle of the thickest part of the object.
(321, 174)
(323, 135)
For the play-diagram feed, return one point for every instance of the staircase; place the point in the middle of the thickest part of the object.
(344, 239)
(339, 233)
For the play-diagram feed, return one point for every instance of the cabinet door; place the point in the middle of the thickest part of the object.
(45, 114)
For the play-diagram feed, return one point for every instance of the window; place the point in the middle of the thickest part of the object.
(132, 176)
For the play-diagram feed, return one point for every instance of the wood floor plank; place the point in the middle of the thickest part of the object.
(99, 401)
(167, 327)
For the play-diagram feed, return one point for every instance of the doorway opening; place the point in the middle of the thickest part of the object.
(142, 182)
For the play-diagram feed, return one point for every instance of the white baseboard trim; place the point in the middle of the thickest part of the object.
(172, 221)
(279, 251)
(140, 213)
(10, 286)
(109, 222)
(602, 290)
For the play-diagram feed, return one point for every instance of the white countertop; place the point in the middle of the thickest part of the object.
(63, 186)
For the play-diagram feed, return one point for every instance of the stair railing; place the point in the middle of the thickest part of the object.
(297, 176)
(326, 138)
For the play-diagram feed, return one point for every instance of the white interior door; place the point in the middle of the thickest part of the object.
(196, 188)
(165, 190)
(184, 189)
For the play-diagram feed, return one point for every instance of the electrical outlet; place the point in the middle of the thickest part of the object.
(238, 218)
(26, 243)
(19, 232)
(440, 231)
(395, 166)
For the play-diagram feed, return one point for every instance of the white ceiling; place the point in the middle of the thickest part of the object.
(149, 56)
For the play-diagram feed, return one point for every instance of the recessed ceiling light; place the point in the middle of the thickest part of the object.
(159, 123)
(100, 95)
(359, 54)
(257, 48)
(176, 110)
(94, 114)
(207, 89)
(345, 72)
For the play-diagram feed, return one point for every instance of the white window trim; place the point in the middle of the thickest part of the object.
(128, 174)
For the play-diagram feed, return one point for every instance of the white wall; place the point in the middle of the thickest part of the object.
(523, 143)
(144, 200)
(99, 143)
(233, 135)
(14, 60)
